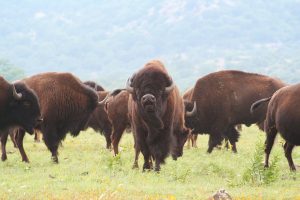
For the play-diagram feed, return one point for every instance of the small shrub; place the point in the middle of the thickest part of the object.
(256, 173)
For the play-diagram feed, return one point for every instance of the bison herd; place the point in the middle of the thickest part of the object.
(151, 107)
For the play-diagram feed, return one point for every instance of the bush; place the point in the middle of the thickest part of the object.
(256, 173)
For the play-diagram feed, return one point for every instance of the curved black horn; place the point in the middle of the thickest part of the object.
(16, 95)
(193, 112)
(170, 88)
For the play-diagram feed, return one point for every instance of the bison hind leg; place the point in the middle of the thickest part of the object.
(288, 148)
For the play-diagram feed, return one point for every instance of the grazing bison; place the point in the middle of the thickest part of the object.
(157, 114)
(99, 120)
(94, 85)
(19, 107)
(117, 112)
(66, 105)
(223, 100)
(283, 116)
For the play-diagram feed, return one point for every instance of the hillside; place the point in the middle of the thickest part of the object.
(107, 41)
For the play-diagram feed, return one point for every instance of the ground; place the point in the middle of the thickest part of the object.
(88, 171)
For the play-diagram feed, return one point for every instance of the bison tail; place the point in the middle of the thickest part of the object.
(257, 104)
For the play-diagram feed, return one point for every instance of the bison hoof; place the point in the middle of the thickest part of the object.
(135, 166)
(25, 160)
(266, 166)
(54, 159)
(3, 157)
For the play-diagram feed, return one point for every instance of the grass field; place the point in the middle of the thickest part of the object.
(88, 171)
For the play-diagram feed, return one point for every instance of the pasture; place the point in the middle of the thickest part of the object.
(88, 171)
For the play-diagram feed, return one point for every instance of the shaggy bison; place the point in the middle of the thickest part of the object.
(66, 105)
(19, 107)
(117, 112)
(223, 100)
(283, 116)
(99, 120)
(157, 114)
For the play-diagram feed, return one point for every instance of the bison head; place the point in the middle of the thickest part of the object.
(23, 108)
(150, 91)
(179, 139)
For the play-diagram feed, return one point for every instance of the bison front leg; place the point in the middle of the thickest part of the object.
(12, 137)
(215, 139)
(52, 143)
(3, 145)
(288, 148)
(194, 140)
(19, 140)
(108, 140)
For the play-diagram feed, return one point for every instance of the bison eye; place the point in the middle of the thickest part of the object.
(26, 103)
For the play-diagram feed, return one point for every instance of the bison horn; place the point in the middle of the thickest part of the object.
(104, 100)
(16, 95)
(170, 88)
(129, 88)
(193, 112)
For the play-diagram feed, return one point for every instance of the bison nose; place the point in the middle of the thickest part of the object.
(148, 98)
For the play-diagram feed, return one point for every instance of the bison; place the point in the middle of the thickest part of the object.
(223, 100)
(99, 120)
(19, 107)
(117, 111)
(157, 114)
(66, 105)
(283, 116)
(94, 85)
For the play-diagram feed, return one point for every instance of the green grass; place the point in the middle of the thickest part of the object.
(88, 171)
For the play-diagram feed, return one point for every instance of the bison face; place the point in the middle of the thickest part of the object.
(24, 109)
(179, 140)
(150, 92)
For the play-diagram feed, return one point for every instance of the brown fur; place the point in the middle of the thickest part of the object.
(17, 112)
(117, 111)
(223, 101)
(283, 116)
(154, 133)
(66, 105)
(99, 120)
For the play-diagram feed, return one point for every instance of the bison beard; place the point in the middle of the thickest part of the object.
(153, 113)
(66, 105)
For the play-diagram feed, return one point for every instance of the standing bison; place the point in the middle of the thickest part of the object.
(19, 107)
(66, 105)
(157, 113)
(283, 116)
(117, 112)
(99, 120)
(223, 100)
